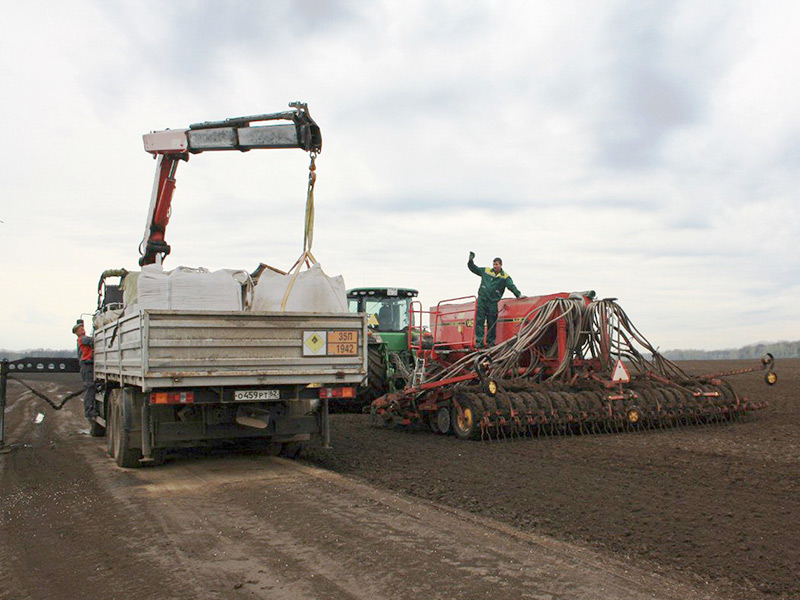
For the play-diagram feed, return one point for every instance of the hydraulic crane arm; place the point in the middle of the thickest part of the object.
(173, 145)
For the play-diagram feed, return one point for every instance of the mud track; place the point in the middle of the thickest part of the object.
(707, 512)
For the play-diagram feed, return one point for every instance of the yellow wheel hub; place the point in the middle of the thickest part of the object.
(465, 419)
(633, 415)
(492, 387)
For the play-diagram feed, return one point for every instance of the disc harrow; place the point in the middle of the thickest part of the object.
(576, 381)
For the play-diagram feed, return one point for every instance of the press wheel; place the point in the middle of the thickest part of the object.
(465, 422)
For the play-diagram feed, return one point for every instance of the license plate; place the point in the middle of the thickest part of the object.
(244, 395)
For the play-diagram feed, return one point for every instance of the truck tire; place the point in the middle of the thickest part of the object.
(95, 429)
(158, 456)
(110, 408)
(291, 449)
(124, 455)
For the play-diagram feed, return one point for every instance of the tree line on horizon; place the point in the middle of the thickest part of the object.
(37, 353)
(752, 351)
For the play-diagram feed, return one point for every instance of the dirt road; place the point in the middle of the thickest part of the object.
(406, 516)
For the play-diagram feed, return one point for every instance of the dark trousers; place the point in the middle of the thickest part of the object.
(486, 316)
(87, 376)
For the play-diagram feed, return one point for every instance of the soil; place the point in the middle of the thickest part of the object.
(696, 512)
(720, 503)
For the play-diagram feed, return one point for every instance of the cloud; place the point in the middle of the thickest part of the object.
(643, 149)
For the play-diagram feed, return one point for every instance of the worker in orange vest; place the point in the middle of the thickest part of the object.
(86, 358)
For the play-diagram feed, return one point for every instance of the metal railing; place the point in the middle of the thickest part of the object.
(38, 364)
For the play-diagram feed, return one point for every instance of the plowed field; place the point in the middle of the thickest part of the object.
(709, 512)
(717, 504)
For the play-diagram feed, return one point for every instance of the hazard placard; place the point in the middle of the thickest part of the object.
(620, 372)
(315, 343)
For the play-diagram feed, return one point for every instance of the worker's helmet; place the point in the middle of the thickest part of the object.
(78, 323)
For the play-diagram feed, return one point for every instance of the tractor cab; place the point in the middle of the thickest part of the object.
(387, 309)
(388, 323)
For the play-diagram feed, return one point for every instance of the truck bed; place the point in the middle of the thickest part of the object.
(175, 348)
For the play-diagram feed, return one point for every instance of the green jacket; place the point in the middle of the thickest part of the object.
(492, 284)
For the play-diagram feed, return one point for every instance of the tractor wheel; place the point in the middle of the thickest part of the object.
(466, 424)
(376, 372)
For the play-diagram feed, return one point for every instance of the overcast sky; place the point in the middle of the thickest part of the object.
(646, 150)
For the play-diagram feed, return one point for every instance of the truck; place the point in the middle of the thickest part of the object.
(172, 377)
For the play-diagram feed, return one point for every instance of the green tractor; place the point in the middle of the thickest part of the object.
(391, 363)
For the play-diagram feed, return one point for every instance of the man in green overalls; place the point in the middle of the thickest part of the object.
(494, 282)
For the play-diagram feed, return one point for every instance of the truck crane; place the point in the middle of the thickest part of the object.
(170, 378)
(171, 146)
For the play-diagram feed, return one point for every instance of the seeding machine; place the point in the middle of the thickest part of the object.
(563, 363)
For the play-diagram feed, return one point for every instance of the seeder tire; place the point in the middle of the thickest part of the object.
(466, 426)
(443, 420)
(375, 419)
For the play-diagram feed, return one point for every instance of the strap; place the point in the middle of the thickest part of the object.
(308, 233)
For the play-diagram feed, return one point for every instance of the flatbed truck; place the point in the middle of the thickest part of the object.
(174, 378)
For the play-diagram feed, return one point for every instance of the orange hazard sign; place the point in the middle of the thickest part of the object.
(620, 372)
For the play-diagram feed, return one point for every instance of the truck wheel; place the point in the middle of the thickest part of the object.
(271, 448)
(124, 455)
(110, 433)
(95, 429)
(158, 457)
(291, 449)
